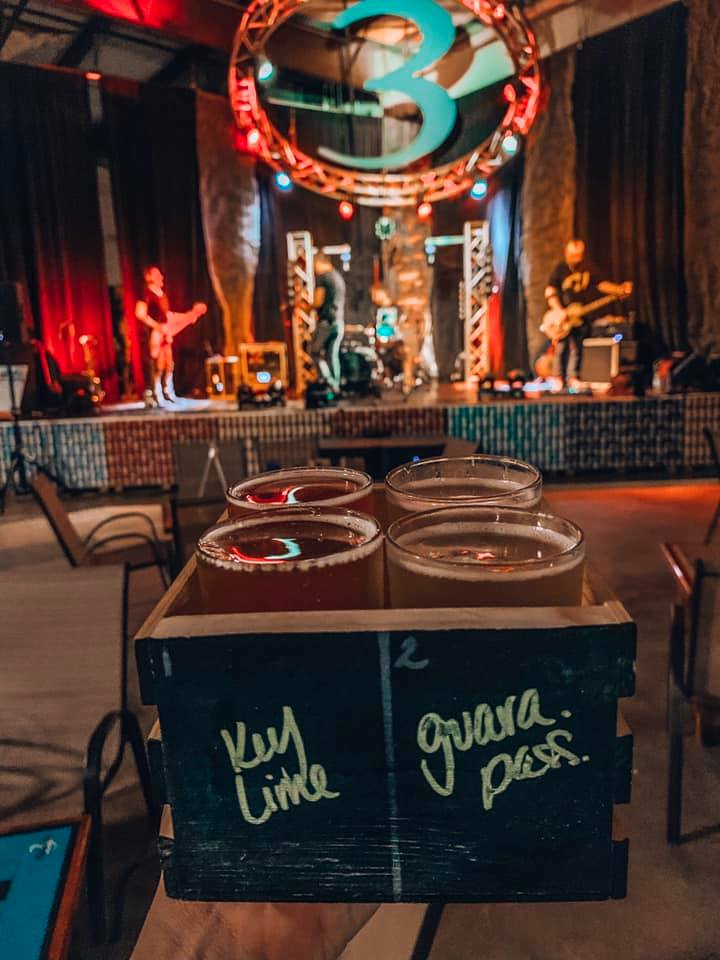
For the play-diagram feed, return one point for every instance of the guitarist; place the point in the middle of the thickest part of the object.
(573, 281)
(160, 325)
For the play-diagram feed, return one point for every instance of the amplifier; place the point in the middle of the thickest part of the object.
(600, 360)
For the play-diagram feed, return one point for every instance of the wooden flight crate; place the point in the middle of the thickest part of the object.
(391, 756)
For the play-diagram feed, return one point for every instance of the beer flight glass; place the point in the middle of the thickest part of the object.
(292, 558)
(484, 557)
(471, 481)
(302, 486)
(464, 534)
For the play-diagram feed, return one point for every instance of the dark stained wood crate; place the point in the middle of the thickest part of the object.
(391, 756)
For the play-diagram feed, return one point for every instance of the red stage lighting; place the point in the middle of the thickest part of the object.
(93, 76)
(346, 210)
(500, 11)
(425, 210)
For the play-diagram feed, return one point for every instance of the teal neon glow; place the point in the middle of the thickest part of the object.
(291, 546)
(438, 108)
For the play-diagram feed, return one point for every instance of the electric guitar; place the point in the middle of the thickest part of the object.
(174, 325)
(558, 324)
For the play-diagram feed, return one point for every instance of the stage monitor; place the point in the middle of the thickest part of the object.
(600, 360)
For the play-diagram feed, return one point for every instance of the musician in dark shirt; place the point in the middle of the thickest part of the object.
(575, 281)
(330, 328)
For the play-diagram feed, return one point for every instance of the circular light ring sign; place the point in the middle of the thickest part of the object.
(348, 178)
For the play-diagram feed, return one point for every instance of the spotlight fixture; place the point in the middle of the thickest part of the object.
(283, 182)
(479, 190)
(346, 210)
(253, 137)
(94, 76)
(424, 210)
(265, 71)
(510, 145)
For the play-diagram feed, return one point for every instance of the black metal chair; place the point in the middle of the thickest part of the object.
(714, 447)
(693, 699)
(203, 472)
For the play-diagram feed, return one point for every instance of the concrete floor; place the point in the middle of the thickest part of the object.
(673, 907)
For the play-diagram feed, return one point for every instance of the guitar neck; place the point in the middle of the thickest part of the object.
(596, 304)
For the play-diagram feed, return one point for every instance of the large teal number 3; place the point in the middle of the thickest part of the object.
(438, 108)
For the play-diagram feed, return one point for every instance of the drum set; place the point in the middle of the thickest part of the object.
(374, 359)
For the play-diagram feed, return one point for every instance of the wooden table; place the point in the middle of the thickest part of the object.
(382, 454)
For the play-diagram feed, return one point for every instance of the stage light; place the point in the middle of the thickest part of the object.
(283, 182)
(479, 190)
(510, 145)
(265, 71)
(93, 76)
(253, 137)
(510, 93)
(346, 210)
(425, 210)
(500, 11)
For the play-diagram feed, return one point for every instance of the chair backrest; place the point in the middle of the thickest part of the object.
(47, 496)
(456, 447)
(203, 471)
(703, 655)
(280, 454)
(712, 441)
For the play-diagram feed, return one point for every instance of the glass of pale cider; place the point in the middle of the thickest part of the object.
(484, 557)
(302, 486)
(292, 558)
(473, 481)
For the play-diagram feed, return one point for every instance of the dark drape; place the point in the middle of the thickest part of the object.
(50, 233)
(154, 170)
(629, 103)
(270, 311)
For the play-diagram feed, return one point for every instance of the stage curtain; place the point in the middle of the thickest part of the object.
(629, 108)
(508, 313)
(154, 170)
(270, 301)
(50, 233)
(548, 194)
(702, 175)
(231, 217)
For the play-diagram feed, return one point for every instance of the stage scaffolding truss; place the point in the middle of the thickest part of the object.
(476, 290)
(301, 288)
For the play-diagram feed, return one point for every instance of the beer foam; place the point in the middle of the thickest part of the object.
(285, 524)
(425, 552)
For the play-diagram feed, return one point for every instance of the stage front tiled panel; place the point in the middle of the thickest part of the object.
(663, 434)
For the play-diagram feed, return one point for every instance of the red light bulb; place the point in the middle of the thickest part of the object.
(346, 210)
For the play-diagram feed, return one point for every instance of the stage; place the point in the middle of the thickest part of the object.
(128, 447)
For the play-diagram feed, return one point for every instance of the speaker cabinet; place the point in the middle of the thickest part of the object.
(600, 360)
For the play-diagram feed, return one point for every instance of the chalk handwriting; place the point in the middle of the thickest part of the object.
(409, 649)
(487, 725)
(309, 784)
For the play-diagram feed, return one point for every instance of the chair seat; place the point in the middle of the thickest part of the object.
(134, 554)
